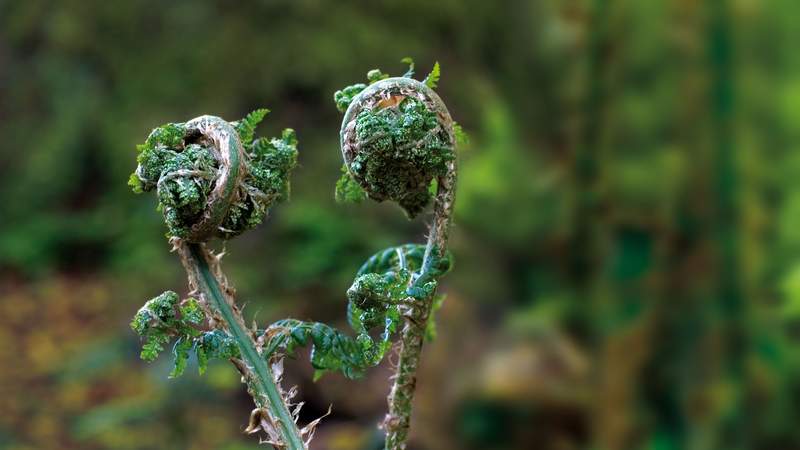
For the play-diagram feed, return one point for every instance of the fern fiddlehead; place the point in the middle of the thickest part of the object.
(213, 179)
(398, 143)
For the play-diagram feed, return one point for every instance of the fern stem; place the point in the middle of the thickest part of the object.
(398, 419)
(211, 283)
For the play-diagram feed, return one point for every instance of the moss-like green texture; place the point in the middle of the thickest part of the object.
(183, 169)
(347, 188)
(165, 317)
(402, 147)
(401, 152)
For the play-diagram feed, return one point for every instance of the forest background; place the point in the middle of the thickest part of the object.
(627, 235)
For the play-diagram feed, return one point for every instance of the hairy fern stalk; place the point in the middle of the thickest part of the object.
(398, 143)
(214, 179)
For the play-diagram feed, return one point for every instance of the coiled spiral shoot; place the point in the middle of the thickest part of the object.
(214, 179)
(398, 143)
(396, 138)
(210, 184)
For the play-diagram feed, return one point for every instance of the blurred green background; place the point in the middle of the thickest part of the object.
(628, 219)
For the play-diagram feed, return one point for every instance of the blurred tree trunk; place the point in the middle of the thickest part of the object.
(619, 342)
(730, 305)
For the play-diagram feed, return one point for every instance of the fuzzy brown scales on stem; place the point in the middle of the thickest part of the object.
(162, 160)
(398, 420)
(196, 284)
(263, 383)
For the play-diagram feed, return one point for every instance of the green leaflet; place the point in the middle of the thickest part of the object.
(347, 188)
(404, 151)
(374, 301)
(410, 72)
(432, 80)
(165, 318)
(461, 136)
(345, 96)
(183, 169)
(247, 126)
(181, 353)
(430, 326)
(214, 344)
(376, 75)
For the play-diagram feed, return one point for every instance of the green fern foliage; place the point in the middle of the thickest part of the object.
(375, 301)
(182, 169)
(342, 98)
(347, 188)
(164, 319)
(410, 72)
(246, 128)
(376, 75)
(461, 136)
(402, 147)
(432, 80)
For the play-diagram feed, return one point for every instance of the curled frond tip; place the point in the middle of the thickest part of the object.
(397, 136)
(214, 178)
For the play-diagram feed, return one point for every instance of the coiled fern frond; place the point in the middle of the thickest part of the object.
(398, 143)
(396, 137)
(375, 302)
(214, 179)
(214, 189)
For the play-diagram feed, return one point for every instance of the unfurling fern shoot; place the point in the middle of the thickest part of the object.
(398, 143)
(214, 179)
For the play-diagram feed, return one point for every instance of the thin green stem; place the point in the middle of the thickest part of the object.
(195, 259)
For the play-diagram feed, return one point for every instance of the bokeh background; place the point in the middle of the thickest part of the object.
(628, 219)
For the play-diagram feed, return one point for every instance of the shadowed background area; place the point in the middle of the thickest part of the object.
(627, 235)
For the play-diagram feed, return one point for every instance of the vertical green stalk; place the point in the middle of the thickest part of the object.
(730, 303)
(195, 259)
